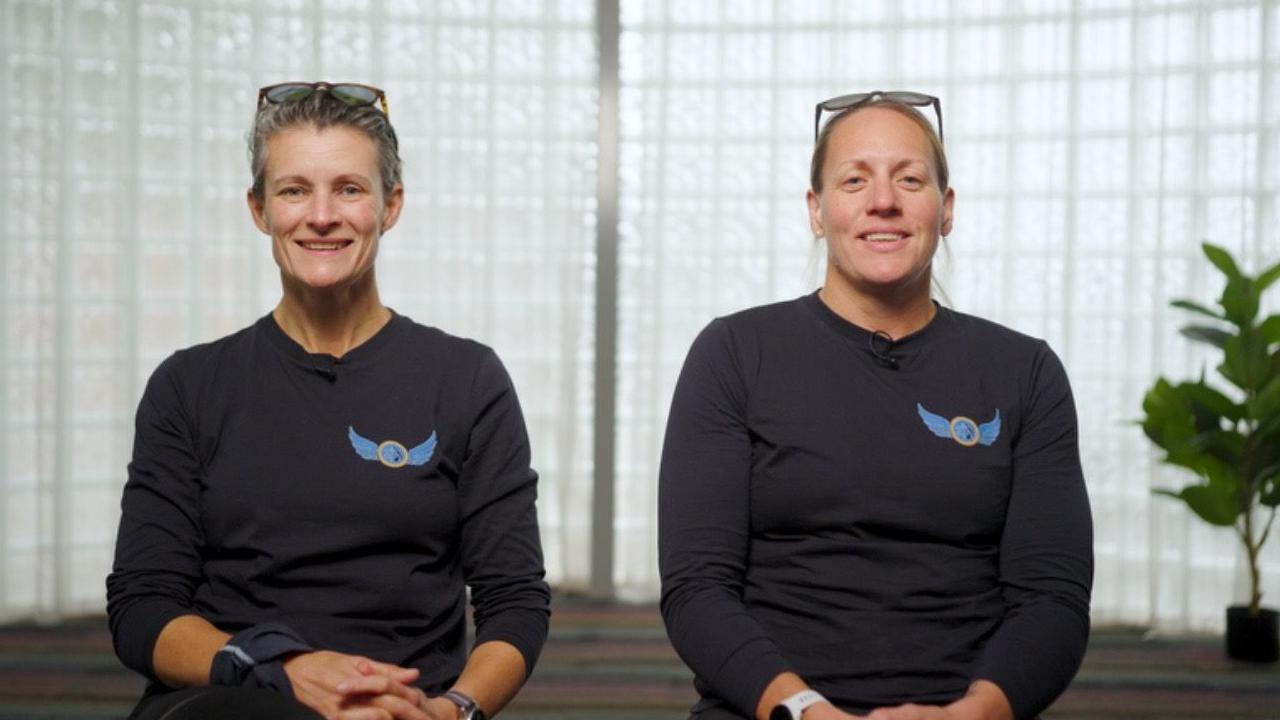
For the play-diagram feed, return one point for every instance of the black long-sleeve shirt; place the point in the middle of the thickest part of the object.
(891, 535)
(351, 500)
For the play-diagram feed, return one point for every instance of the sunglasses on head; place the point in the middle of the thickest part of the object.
(847, 102)
(353, 94)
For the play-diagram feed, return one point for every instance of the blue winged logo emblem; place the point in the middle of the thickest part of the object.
(960, 428)
(391, 453)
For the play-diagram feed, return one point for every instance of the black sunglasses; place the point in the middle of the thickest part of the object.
(353, 94)
(847, 102)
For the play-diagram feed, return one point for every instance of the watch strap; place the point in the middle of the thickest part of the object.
(468, 708)
(793, 707)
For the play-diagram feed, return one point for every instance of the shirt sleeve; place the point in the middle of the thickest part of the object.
(500, 546)
(1046, 554)
(703, 527)
(157, 558)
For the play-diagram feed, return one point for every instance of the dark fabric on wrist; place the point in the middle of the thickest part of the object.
(254, 658)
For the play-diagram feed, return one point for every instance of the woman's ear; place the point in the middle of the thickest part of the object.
(258, 212)
(815, 213)
(391, 210)
(948, 203)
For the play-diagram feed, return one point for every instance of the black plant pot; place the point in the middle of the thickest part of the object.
(1256, 639)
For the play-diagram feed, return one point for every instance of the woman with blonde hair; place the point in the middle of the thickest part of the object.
(871, 505)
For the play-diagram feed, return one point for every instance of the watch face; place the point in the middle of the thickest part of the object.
(468, 709)
(781, 712)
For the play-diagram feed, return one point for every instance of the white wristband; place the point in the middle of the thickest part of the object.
(797, 703)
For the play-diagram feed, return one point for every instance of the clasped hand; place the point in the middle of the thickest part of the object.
(910, 711)
(350, 687)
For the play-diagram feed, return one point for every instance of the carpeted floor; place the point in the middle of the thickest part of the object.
(613, 662)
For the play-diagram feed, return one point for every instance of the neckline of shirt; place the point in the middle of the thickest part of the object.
(356, 356)
(902, 349)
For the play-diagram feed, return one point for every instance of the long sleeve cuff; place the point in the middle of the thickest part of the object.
(747, 672)
(136, 629)
(524, 628)
(1034, 660)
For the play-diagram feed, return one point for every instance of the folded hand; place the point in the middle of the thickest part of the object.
(350, 687)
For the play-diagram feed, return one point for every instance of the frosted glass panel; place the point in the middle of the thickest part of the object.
(1093, 146)
(127, 235)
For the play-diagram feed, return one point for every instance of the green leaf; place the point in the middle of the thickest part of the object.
(1169, 421)
(1223, 475)
(1245, 362)
(1266, 483)
(1215, 508)
(1269, 330)
(1222, 259)
(1268, 276)
(1205, 334)
(1206, 399)
(1186, 457)
(1240, 301)
(1265, 456)
(1268, 431)
(1233, 366)
(1227, 446)
(1197, 308)
(1267, 402)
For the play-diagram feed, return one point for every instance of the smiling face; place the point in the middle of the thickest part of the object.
(324, 207)
(881, 207)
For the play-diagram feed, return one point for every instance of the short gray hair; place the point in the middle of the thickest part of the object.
(321, 110)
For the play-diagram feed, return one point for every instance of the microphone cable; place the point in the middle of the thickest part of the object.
(884, 357)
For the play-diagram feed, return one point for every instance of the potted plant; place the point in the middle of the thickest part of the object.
(1230, 438)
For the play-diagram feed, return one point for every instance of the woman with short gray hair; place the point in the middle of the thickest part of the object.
(310, 498)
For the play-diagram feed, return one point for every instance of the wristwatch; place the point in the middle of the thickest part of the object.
(793, 707)
(468, 708)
